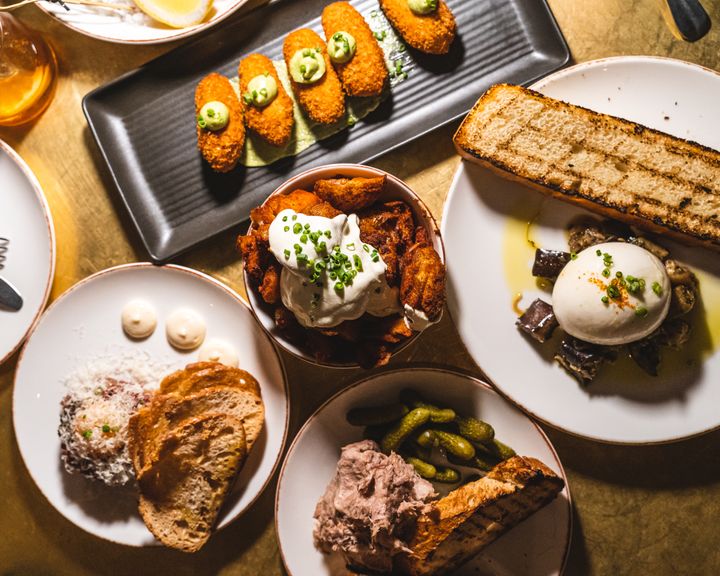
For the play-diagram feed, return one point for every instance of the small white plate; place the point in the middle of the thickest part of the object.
(484, 226)
(27, 262)
(85, 323)
(537, 547)
(132, 27)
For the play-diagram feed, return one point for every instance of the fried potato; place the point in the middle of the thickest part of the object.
(274, 122)
(423, 280)
(324, 100)
(366, 73)
(390, 228)
(431, 33)
(221, 149)
(350, 194)
(298, 200)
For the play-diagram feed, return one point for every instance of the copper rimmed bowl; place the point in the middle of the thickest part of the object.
(395, 189)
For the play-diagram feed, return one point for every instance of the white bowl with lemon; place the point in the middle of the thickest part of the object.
(141, 21)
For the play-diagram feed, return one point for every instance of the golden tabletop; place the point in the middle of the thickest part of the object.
(638, 510)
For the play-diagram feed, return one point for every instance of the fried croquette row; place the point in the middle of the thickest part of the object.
(364, 73)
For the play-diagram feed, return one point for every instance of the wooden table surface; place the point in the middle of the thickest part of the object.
(638, 510)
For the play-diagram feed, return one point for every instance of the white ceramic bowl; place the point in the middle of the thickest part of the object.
(537, 547)
(395, 189)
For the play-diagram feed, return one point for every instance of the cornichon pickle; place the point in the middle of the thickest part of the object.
(399, 433)
(374, 415)
(496, 449)
(425, 469)
(447, 475)
(437, 415)
(425, 438)
(455, 444)
(474, 430)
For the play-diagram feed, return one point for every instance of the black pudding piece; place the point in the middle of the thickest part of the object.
(549, 263)
(583, 360)
(538, 321)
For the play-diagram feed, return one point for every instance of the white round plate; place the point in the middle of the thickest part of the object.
(132, 26)
(27, 261)
(537, 547)
(484, 226)
(85, 323)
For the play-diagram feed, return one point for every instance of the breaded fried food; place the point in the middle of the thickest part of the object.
(324, 100)
(274, 122)
(222, 148)
(390, 228)
(431, 33)
(350, 194)
(422, 286)
(366, 73)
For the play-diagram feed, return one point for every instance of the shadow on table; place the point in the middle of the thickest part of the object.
(690, 463)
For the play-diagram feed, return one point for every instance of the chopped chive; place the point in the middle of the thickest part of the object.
(657, 288)
(106, 428)
(287, 254)
(573, 256)
(297, 228)
(605, 299)
(641, 311)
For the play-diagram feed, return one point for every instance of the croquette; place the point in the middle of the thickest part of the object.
(431, 33)
(221, 149)
(366, 73)
(324, 100)
(274, 122)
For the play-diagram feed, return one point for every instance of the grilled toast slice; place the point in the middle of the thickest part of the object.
(167, 411)
(200, 375)
(608, 165)
(458, 526)
(181, 494)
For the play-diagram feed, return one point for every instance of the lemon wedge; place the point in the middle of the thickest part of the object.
(176, 13)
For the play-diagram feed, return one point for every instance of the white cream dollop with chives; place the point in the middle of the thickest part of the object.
(329, 275)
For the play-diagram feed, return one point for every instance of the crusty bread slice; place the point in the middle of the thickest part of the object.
(458, 526)
(608, 165)
(167, 411)
(200, 375)
(181, 495)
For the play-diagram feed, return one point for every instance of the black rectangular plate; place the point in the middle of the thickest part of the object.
(144, 124)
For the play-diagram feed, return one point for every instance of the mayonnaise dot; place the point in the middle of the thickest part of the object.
(138, 319)
(185, 329)
(216, 350)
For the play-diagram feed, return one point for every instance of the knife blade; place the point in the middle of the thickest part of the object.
(9, 297)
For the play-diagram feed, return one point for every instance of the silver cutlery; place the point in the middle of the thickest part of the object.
(9, 297)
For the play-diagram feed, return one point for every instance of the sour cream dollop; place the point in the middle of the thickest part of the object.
(611, 294)
(139, 319)
(185, 329)
(329, 274)
(216, 350)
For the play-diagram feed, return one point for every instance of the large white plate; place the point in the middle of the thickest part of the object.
(484, 226)
(117, 26)
(28, 263)
(85, 323)
(537, 547)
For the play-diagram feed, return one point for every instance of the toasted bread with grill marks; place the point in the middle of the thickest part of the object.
(458, 526)
(182, 492)
(618, 168)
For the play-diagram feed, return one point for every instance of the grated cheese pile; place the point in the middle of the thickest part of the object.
(101, 396)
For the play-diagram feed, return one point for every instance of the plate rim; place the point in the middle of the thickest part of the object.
(225, 288)
(459, 171)
(182, 32)
(420, 367)
(45, 207)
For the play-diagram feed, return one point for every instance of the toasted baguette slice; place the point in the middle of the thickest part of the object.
(462, 523)
(195, 377)
(166, 411)
(181, 495)
(605, 164)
